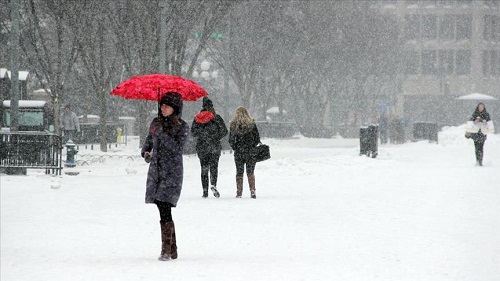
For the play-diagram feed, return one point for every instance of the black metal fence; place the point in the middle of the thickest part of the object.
(91, 133)
(276, 129)
(425, 131)
(34, 150)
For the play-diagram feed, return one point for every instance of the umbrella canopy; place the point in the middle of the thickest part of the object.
(151, 86)
(476, 97)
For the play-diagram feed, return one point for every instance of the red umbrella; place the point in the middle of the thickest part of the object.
(151, 86)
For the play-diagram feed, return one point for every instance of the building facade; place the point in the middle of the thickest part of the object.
(450, 48)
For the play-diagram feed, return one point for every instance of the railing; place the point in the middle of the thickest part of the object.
(425, 131)
(276, 129)
(33, 150)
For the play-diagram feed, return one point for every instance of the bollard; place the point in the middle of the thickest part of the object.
(71, 151)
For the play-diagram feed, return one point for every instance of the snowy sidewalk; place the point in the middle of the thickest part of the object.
(418, 211)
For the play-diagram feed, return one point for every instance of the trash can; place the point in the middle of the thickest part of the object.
(425, 131)
(368, 141)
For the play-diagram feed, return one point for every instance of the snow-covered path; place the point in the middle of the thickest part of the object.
(419, 211)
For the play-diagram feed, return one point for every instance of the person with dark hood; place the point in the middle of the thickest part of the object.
(163, 149)
(480, 116)
(208, 128)
(243, 138)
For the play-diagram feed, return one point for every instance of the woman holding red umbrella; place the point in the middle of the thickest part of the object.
(163, 149)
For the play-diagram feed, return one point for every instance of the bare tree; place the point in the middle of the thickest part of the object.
(251, 42)
(49, 46)
(135, 26)
(96, 45)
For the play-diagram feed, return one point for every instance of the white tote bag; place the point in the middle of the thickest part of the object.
(487, 127)
(471, 127)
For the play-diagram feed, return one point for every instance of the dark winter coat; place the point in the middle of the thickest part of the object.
(165, 174)
(208, 129)
(243, 141)
(485, 116)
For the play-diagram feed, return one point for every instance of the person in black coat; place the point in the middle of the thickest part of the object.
(480, 115)
(243, 138)
(208, 128)
(163, 149)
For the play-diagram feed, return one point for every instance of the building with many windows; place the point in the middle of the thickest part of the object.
(450, 48)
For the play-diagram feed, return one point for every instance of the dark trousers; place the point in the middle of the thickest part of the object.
(479, 145)
(209, 163)
(165, 211)
(69, 135)
(241, 162)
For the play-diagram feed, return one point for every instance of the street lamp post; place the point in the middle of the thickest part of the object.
(207, 73)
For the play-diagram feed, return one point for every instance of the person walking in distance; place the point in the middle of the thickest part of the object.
(243, 138)
(69, 124)
(163, 149)
(479, 116)
(208, 128)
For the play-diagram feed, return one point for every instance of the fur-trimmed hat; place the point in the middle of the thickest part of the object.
(174, 100)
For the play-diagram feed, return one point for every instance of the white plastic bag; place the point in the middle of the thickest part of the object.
(487, 127)
(472, 127)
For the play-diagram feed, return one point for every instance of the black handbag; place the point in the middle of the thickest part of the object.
(261, 152)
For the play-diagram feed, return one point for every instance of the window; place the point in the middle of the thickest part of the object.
(495, 63)
(487, 28)
(491, 28)
(447, 3)
(462, 63)
(429, 62)
(446, 64)
(464, 27)
(495, 29)
(412, 62)
(447, 27)
(429, 26)
(492, 3)
(26, 118)
(486, 63)
(412, 27)
(491, 63)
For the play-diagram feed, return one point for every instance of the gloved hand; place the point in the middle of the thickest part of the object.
(147, 157)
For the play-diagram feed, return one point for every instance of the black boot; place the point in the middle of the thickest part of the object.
(215, 191)
(204, 184)
(168, 241)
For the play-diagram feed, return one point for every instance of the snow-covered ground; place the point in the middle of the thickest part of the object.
(419, 211)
